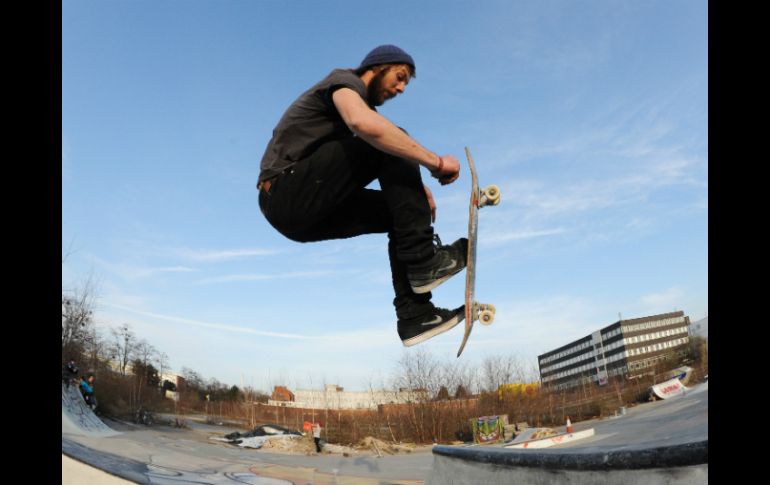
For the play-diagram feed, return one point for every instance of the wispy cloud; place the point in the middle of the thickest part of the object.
(215, 326)
(174, 269)
(118, 295)
(133, 272)
(136, 249)
(215, 256)
(617, 169)
(380, 336)
(267, 277)
(499, 238)
(529, 205)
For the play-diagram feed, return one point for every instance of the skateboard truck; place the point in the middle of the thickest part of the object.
(485, 313)
(490, 195)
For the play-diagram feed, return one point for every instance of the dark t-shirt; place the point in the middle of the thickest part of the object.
(310, 121)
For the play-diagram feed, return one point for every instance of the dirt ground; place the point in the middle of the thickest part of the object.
(366, 447)
(304, 445)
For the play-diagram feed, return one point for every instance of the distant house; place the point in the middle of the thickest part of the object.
(282, 395)
(335, 397)
(179, 382)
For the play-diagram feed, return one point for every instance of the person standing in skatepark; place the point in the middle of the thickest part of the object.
(317, 436)
(327, 147)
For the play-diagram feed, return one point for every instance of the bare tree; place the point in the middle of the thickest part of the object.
(94, 347)
(68, 252)
(699, 353)
(459, 378)
(77, 315)
(144, 351)
(192, 379)
(502, 369)
(531, 372)
(495, 371)
(124, 342)
(163, 366)
(418, 372)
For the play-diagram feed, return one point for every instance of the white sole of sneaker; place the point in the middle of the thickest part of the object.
(433, 284)
(448, 325)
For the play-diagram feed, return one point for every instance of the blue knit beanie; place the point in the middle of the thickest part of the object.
(387, 54)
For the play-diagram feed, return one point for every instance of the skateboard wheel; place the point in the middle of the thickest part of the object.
(486, 317)
(492, 192)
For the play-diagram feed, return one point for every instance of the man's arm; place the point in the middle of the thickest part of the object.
(379, 132)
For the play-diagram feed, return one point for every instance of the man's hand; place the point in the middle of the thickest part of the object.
(447, 171)
(431, 203)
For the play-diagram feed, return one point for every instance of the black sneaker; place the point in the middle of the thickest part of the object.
(446, 262)
(417, 330)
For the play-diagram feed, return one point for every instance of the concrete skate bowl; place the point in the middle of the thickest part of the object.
(676, 464)
(77, 418)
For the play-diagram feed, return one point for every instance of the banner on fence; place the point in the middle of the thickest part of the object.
(668, 389)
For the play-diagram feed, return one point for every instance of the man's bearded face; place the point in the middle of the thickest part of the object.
(387, 84)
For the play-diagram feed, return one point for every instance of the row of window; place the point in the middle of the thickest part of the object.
(619, 356)
(653, 324)
(612, 346)
(657, 347)
(595, 377)
(625, 328)
(583, 356)
(571, 361)
(648, 362)
(655, 336)
(585, 368)
(612, 333)
(564, 353)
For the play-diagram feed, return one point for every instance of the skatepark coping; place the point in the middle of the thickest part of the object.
(682, 464)
(682, 455)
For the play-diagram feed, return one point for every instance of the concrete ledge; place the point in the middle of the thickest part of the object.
(687, 454)
(118, 466)
(676, 464)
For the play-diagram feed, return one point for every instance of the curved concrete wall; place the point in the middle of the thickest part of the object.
(677, 464)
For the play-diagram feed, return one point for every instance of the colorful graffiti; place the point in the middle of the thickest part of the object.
(488, 429)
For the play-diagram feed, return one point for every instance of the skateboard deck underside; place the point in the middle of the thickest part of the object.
(470, 272)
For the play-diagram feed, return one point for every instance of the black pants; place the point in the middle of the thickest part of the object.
(324, 197)
(317, 444)
(90, 400)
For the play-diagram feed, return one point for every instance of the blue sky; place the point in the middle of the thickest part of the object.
(592, 117)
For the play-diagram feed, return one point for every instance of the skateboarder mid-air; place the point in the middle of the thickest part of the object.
(327, 147)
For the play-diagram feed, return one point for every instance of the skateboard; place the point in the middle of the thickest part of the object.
(483, 312)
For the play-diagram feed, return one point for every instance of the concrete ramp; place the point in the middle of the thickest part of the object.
(74, 472)
(77, 418)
